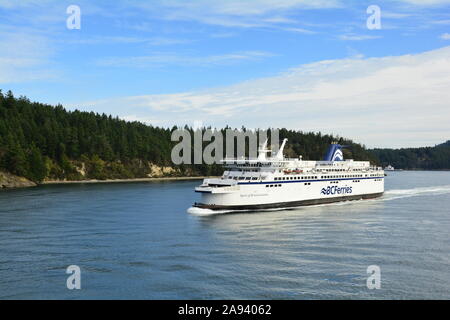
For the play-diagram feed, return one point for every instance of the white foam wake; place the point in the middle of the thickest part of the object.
(208, 212)
(204, 212)
(406, 193)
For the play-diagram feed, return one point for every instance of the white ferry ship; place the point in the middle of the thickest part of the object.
(276, 182)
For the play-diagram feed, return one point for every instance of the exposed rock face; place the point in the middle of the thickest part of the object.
(8, 180)
(157, 171)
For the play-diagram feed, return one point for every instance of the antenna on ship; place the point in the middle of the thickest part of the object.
(279, 155)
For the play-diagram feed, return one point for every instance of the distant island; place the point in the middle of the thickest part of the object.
(40, 142)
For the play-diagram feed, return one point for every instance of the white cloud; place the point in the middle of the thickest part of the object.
(24, 57)
(250, 7)
(426, 2)
(396, 15)
(445, 36)
(445, 22)
(22, 3)
(233, 13)
(146, 120)
(390, 101)
(102, 40)
(357, 37)
(173, 59)
(298, 30)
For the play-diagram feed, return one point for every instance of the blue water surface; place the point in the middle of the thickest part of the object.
(136, 241)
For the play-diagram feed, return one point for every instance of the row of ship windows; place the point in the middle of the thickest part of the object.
(243, 178)
(337, 182)
(338, 170)
(323, 177)
(304, 178)
(295, 178)
(279, 185)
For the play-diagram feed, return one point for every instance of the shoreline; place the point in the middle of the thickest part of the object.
(53, 182)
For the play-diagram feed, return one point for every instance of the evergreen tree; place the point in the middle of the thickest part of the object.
(14, 159)
(37, 168)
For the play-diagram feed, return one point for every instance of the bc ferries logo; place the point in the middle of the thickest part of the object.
(336, 190)
(338, 156)
(334, 153)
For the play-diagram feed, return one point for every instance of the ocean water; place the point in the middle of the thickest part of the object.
(136, 241)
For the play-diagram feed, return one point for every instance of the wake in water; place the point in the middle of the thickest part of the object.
(388, 195)
(406, 193)
(204, 212)
(208, 212)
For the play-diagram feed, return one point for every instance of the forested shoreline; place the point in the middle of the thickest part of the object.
(43, 142)
(425, 158)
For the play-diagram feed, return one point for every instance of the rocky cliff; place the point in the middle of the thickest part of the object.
(8, 180)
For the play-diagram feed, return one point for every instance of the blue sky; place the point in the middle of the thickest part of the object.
(306, 65)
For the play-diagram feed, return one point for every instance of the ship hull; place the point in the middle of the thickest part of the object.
(289, 204)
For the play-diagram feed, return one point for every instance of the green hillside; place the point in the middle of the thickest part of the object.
(428, 158)
(40, 141)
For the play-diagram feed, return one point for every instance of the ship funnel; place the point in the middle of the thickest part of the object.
(334, 153)
(280, 152)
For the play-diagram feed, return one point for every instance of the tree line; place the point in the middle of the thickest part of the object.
(39, 141)
(428, 158)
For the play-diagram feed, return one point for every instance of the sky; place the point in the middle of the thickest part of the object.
(300, 64)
